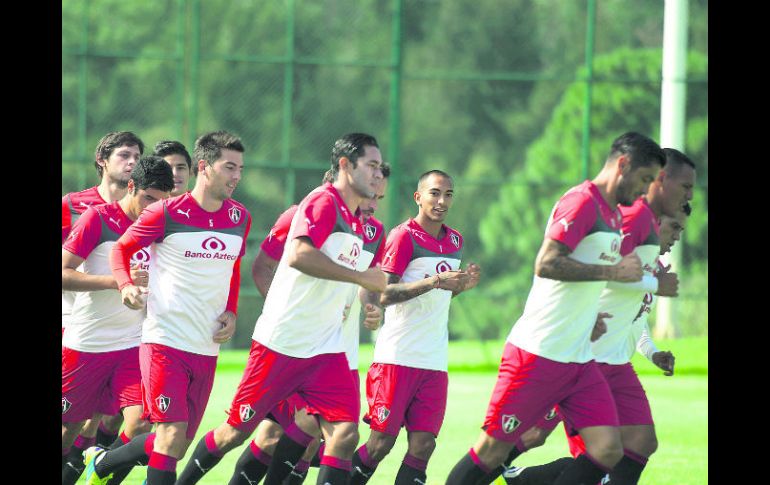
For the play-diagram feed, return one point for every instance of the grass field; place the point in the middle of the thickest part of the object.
(679, 405)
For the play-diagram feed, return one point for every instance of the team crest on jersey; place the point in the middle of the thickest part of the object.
(370, 230)
(235, 214)
(213, 244)
(510, 423)
(443, 266)
(163, 402)
(246, 412)
(382, 414)
(65, 405)
(551, 414)
(455, 240)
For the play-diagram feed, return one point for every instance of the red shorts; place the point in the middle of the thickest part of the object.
(405, 396)
(283, 412)
(103, 382)
(176, 385)
(322, 381)
(550, 420)
(528, 386)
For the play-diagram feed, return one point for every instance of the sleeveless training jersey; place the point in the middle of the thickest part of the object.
(99, 321)
(559, 315)
(415, 332)
(302, 315)
(196, 269)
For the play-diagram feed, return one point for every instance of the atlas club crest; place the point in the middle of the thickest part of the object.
(371, 231)
(65, 405)
(455, 240)
(510, 423)
(163, 402)
(235, 214)
(382, 414)
(246, 412)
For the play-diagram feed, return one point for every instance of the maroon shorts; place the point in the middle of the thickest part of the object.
(628, 393)
(283, 412)
(176, 385)
(323, 381)
(528, 386)
(103, 382)
(405, 396)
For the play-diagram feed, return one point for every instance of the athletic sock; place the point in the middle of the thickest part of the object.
(204, 458)
(629, 469)
(468, 470)
(135, 452)
(288, 452)
(333, 470)
(490, 477)
(299, 474)
(161, 469)
(72, 463)
(362, 466)
(412, 471)
(584, 470)
(119, 475)
(121, 440)
(251, 466)
(539, 474)
(105, 437)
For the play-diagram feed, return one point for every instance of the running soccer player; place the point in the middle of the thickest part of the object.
(100, 350)
(407, 382)
(198, 237)
(297, 344)
(547, 359)
(177, 156)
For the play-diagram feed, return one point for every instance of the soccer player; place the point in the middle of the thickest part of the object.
(547, 359)
(177, 156)
(100, 350)
(407, 382)
(297, 342)
(115, 155)
(198, 239)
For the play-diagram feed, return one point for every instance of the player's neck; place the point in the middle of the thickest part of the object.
(128, 209)
(434, 228)
(607, 187)
(350, 197)
(205, 200)
(111, 191)
(654, 202)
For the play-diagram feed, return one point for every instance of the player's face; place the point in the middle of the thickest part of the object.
(677, 189)
(181, 173)
(670, 230)
(435, 197)
(368, 206)
(224, 174)
(634, 183)
(118, 166)
(366, 177)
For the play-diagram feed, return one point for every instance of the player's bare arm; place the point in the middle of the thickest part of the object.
(668, 283)
(370, 298)
(397, 292)
(553, 262)
(304, 257)
(474, 274)
(74, 280)
(262, 271)
(227, 327)
(133, 297)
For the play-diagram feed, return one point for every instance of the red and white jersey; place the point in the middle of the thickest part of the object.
(641, 229)
(559, 315)
(196, 269)
(639, 337)
(371, 256)
(302, 315)
(275, 241)
(75, 203)
(99, 321)
(415, 332)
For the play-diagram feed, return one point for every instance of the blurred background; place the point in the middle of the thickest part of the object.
(517, 100)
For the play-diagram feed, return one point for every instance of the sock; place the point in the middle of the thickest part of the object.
(161, 469)
(537, 475)
(468, 470)
(288, 452)
(251, 466)
(120, 475)
(362, 466)
(204, 458)
(333, 470)
(584, 470)
(135, 452)
(298, 475)
(629, 469)
(64, 453)
(105, 437)
(412, 471)
(72, 462)
(121, 440)
(490, 477)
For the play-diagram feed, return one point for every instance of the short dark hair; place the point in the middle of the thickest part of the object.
(350, 146)
(171, 147)
(209, 146)
(675, 160)
(111, 141)
(433, 172)
(152, 172)
(643, 151)
(385, 167)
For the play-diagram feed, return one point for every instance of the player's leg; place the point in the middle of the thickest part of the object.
(532, 438)
(297, 437)
(255, 459)
(341, 438)
(299, 473)
(109, 430)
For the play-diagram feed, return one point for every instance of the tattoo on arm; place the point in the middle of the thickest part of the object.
(397, 292)
(553, 262)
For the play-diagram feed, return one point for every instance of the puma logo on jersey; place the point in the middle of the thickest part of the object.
(117, 223)
(186, 214)
(310, 225)
(84, 204)
(624, 235)
(566, 224)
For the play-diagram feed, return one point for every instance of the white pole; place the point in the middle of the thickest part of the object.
(672, 129)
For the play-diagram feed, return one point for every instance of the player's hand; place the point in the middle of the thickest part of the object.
(668, 283)
(474, 271)
(140, 277)
(600, 327)
(629, 269)
(454, 281)
(373, 316)
(373, 279)
(664, 360)
(227, 329)
(133, 297)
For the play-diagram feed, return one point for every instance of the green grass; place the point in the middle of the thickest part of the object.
(679, 406)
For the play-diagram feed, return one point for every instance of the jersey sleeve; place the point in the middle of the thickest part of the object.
(378, 253)
(574, 215)
(636, 228)
(397, 252)
(275, 241)
(85, 234)
(148, 228)
(235, 285)
(66, 219)
(315, 219)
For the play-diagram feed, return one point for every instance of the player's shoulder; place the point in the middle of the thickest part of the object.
(374, 222)
(236, 210)
(287, 215)
(454, 236)
(83, 199)
(638, 211)
(401, 230)
(581, 194)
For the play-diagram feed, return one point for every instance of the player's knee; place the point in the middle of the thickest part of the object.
(379, 445)
(492, 452)
(137, 427)
(422, 447)
(608, 453)
(645, 444)
(227, 437)
(345, 438)
(534, 437)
